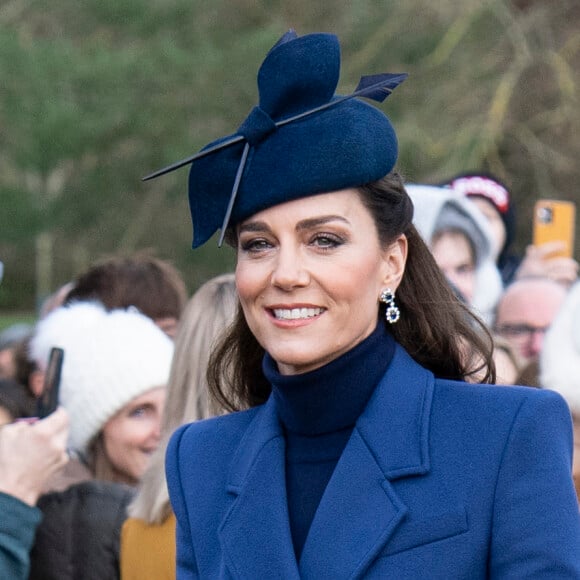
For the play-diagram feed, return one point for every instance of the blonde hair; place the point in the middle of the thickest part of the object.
(207, 315)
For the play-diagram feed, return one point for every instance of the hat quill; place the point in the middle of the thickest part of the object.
(376, 87)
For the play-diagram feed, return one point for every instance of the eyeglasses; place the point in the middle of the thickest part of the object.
(521, 332)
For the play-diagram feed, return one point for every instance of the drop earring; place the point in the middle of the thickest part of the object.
(392, 313)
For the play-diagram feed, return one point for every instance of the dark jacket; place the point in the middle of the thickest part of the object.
(440, 480)
(80, 532)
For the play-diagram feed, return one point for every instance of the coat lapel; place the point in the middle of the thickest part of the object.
(255, 534)
(360, 509)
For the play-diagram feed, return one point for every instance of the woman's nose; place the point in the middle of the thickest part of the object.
(289, 270)
(155, 431)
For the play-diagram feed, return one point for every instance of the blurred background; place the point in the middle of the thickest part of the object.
(96, 94)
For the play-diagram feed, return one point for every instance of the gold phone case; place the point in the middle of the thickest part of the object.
(554, 220)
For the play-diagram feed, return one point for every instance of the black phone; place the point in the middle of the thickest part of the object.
(48, 400)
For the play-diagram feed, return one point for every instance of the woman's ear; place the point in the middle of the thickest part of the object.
(395, 258)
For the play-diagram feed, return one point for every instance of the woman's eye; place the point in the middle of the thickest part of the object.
(327, 241)
(138, 412)
(254, 245)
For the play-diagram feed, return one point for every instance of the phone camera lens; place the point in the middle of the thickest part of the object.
(545, 215)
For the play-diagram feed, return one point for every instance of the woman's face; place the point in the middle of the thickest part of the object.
(309, 273)
(455, 258)
(132, 435)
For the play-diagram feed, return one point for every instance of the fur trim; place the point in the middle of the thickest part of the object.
(560, 357)
(436, 207)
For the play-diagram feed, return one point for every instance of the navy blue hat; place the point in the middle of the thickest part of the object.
(301, 140)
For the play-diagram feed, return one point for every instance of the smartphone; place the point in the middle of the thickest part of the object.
(48, 401)
(554, 220)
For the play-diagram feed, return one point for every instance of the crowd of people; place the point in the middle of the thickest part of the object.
(223, 434)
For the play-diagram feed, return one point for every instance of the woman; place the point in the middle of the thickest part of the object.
(115, 368)
(364, 454)
(493, 199)
(461, 242)
(148, 536)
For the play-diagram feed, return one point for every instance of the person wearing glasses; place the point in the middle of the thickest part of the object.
(524, 313)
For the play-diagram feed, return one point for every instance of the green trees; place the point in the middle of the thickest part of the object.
(96, 94)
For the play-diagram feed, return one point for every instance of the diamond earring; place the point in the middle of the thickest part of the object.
(392, 313)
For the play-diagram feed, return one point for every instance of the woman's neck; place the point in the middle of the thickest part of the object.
(331, 397)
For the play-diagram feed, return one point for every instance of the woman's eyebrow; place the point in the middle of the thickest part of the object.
(310, 223)
(305, 224)
(255, 226)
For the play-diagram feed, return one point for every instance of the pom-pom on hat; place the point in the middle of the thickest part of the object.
(110, 357)
(300, 140)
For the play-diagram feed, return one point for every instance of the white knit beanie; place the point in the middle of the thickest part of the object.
(560, 356)
(110, 357)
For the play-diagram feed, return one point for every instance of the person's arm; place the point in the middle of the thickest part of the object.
(536, 521)
(29, 454)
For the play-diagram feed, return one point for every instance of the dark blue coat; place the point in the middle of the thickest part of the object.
(439, 480)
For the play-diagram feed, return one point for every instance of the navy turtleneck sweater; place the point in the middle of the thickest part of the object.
(318, 411)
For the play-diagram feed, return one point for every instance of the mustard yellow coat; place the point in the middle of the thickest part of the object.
(148, 550)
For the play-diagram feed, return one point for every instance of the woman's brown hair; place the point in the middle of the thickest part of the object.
(435, 327)
(153, 285)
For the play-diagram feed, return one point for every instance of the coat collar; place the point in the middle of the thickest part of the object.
(255, 534)
(398, 414)
(390, 441)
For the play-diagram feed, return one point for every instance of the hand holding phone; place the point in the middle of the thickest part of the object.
(48, 400)
(31, 454)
